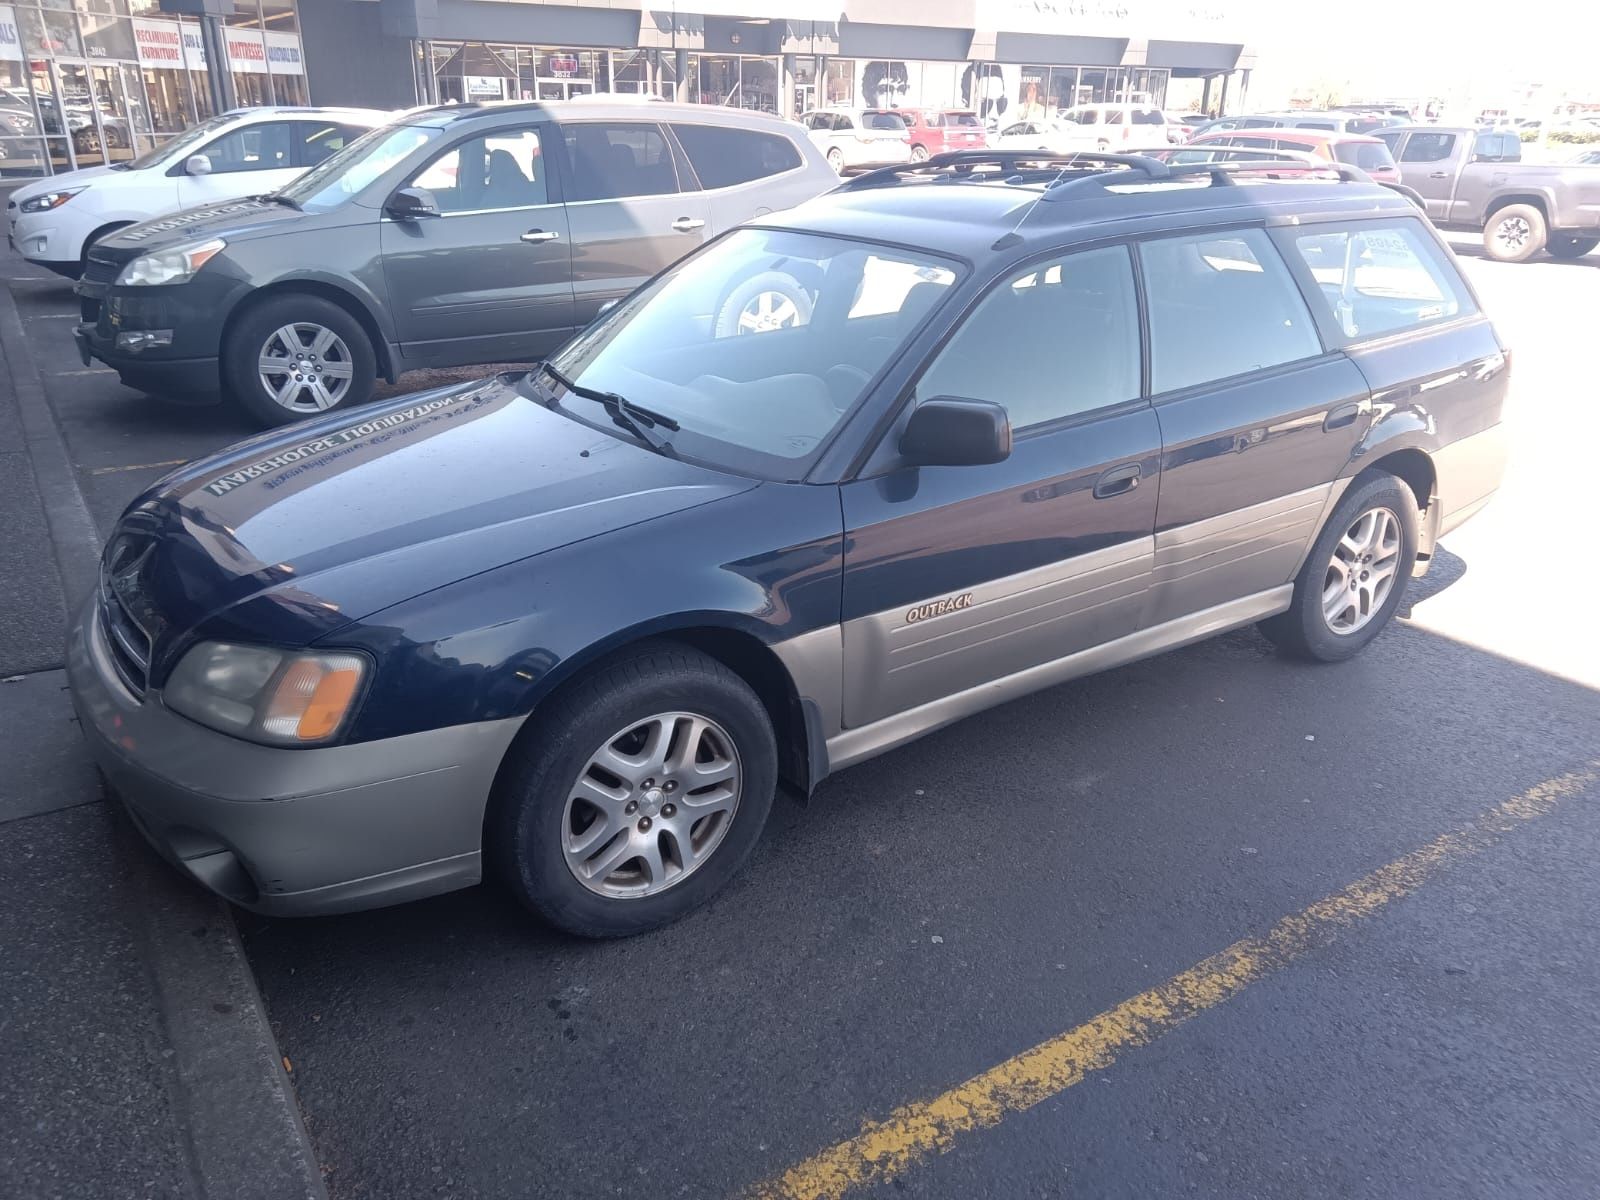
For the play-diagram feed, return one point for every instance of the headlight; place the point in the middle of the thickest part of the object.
(286, 698)
(177, 265)
(48, 200)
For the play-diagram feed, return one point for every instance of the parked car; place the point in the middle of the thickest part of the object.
(1359, 150)
(576, 625)
(1119, 127)
(1589, 157)
(459, 234)
(853, 138)
(250, 151)
(1332, 122)
(1473, 180)
(1048, 137)
(938, 130)
(1186, 124)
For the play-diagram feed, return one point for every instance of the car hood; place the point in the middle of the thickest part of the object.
(231, 220)
(67, 179)
(328, 522)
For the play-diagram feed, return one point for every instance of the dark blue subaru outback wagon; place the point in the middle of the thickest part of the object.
(955, 432)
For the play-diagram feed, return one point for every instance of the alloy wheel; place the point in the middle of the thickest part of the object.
(305, 367)
(1512, 234)
(1362, 571)
(652, 805)
(767, 311)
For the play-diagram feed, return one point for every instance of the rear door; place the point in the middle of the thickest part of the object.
(1257, 419)
(1427, 166)
(491, 277)
(959, 576)
(743, 173)
(629, 216)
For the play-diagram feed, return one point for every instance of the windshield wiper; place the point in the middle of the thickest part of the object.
(279, 198)
(636, 419)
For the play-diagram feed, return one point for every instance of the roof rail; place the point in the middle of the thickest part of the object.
(963, 164)
(1065, 187)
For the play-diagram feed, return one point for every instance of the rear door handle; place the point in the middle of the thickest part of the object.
(1344, 414)
(1439, 175)
(540, 235)
(1117, 480)
(688, 224)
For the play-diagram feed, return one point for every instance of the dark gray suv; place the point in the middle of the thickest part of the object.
(459, 234)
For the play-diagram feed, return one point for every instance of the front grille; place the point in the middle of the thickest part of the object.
(97, 270)
(128, 644)
(89, 310)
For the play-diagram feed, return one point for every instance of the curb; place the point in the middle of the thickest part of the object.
(241, 1125)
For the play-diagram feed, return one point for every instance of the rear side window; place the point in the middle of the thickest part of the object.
(965, 120)
(1316, 124)
(843, 122)
(1221, 304)
(1382, 278)
(1148, 116)
(1499, 147)
(722, 157)
(883, 120)
(1366, 155)
(611, 161)
(1114, 117)
(319, 140)
(1059, 339)
(1428, 147)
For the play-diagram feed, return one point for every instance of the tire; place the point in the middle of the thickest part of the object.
(835, 158)
(1102, 145)
(88, 243)
(919, 154)
(348, 359)
(540, 815)
(1514, 233)
(1305, 631)
(1567, 246)
(762, 303)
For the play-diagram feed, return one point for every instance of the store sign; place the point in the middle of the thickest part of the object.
(194, 48)
(159, 43)
(1169, 20)
(484, 85)
(247, 53)
(10, 41)
(563, 65)
(283, 54)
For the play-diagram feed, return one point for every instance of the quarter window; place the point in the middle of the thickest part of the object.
(1059, 339)
(1378, 279)
(1221, 304)
(611, 161)
(496, 171)
(1428, 147)
(722, 157)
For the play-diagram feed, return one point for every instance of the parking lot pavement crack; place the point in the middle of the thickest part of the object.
(884, 1150)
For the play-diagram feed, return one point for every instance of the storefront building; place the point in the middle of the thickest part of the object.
(92, 81)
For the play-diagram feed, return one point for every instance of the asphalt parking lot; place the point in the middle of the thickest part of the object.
(1215, 924)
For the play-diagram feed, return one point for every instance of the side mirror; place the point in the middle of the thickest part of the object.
(197, 164)
(411, 204)
(951, 431)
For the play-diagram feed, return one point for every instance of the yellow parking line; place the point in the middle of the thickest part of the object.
(884, 1150)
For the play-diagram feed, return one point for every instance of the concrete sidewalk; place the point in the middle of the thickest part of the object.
(135, 1056)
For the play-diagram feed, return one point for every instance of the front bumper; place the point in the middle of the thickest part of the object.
(290, 832)
(162, 376)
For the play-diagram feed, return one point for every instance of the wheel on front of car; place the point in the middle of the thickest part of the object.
(1568, 246)
(919, 153)
(296, 356)
(1353, 579)
(835, 158)
(1514, 233)
(637, 795)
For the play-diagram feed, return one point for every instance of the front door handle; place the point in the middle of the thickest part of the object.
(1117, 480)
(1439, 175)
(688, 224)
(541, 235)
(1343, 414)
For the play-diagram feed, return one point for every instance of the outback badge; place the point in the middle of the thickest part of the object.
(938, 608)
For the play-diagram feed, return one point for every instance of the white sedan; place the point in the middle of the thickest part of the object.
(247, 152)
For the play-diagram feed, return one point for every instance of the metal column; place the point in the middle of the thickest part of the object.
(219, 76)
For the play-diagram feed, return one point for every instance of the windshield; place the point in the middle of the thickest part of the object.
(759, 345)
(334, 180)
(882, 120)
(178, 147)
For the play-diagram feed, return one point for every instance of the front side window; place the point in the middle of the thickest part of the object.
(1114, 117)
(1428, 147)
(759, 345)
(497, 171)
(261, 147)
(614, 160)
(1221, 304)
(842, 121)
(1054, 341)
(723, 156)
(355, 168)
(1382, 278)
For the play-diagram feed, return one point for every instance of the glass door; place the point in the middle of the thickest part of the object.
(116, 119)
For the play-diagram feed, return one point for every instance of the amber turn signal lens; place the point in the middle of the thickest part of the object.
(313, 697)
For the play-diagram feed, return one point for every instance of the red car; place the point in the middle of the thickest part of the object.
(1358, 149)
(935, 130)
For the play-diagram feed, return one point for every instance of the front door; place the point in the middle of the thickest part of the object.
(959, 576)
(1257, 420)
(629, 219)
(1425, 166)
(489, 279)
(251, 160)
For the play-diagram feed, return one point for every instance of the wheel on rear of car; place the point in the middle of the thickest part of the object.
(296, 356)
(836, 160)
(919, 154)
(637, 796)
(1565, 245)
(1515, 233)
(1354, 577)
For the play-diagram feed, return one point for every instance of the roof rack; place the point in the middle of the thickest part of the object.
(1220, 174)
(965, 164)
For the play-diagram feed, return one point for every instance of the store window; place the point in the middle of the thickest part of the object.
(738, 82)
(840, 82)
